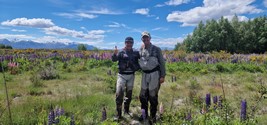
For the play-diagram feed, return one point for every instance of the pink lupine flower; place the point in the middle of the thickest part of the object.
(161, 109)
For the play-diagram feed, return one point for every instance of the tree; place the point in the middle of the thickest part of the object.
(234, 36)
(2, 46)
(8, 47)
(179, 46)
(82, 47)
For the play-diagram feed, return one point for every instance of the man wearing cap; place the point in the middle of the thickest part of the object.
(153, 66)
(127, 63)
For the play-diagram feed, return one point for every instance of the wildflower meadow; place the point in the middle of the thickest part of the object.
(69, 87)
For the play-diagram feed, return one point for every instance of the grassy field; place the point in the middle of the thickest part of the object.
(82, 90)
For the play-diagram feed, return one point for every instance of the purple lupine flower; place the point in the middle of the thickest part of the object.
(72, 122)
(61, 111)
(208, 100)
(104, 114)
(188, 116)
(215, 100)
(51, 116)
(143, 113)
(243, 113)
(57, 111)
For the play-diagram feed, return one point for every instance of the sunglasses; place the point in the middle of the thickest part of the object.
(145, 39)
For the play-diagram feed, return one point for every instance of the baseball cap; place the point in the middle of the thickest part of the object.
(129, 39)
(145, 33)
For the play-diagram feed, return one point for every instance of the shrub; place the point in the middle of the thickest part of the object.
(47, 73)
(35, 79)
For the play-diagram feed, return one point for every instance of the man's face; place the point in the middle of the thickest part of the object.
(128, 45)
(146, 40)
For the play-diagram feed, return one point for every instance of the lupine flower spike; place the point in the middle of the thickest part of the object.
(104, 114)
(208, 100)
(189, 116)
(51, 116)
(72, 122)
(243, 113)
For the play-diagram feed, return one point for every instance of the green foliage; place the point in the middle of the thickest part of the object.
(35, 91)
(82, 47)
(36, 79)
(86, 90)
(234, 36)
(93, 63)
(111, 81)
(2, 46)
(3, 66)
(47, 73)
(218, 67)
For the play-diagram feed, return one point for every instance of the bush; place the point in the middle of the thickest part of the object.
(48, 73)
(36, 79)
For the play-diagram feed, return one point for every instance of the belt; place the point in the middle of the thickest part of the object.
(126, 73)
(153, 70)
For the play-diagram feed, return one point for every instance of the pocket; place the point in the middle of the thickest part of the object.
(149, 64)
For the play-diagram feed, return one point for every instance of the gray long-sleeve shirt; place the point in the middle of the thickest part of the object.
(156, 52)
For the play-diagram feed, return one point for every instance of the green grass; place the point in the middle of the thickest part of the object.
(83, 93)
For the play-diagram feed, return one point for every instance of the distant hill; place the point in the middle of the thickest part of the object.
(22, 44)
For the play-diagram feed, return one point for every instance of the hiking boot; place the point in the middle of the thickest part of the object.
(128, 114)
(117, 118)
(141, 118)
(154, 120)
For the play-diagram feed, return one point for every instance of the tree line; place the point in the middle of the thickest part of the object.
(3, 46)
(232, 36)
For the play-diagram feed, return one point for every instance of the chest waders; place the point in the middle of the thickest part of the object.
(128, 64)
(150, 84)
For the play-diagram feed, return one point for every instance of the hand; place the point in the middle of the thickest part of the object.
(143, 46)
(116, 50)
(161, 80)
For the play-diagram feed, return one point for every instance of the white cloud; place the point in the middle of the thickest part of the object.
(15, 36)
(89, 14)
(167, 42)
(16, 30)
(173, 3)
(101, 11)
(176, 2)
(142, 11)
(76, 15)
(160, 29)
(94, 35)
(116, 25)
(265, 3)
(213, 10)
(47, 39)
(240, 18)
(84, 15)
(35, 22)
(83, 28)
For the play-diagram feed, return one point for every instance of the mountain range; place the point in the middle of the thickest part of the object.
(23, 44)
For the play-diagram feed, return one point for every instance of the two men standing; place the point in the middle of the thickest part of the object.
(152, 64)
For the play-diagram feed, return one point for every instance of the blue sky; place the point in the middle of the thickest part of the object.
(106, 23)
